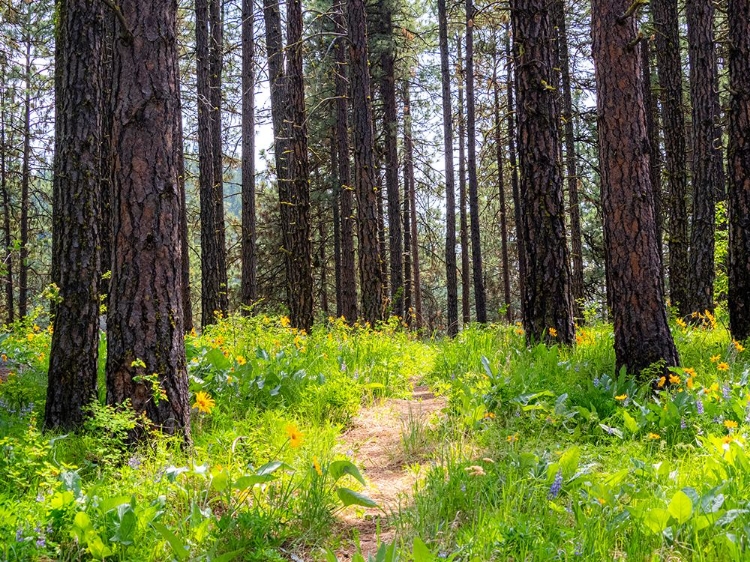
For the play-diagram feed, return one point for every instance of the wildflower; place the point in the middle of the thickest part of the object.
(621, 397)
(683, 423)
(316, 466)
(489, 415)
(689, 371)
(519, 331)
(4, 357)
(681, 323)
(723, 366)
(19, 535)
(699, 406)
(662, 381)
(601, 501)
(596, 382)
(193, 333)
(730, 424)
(726, 440)
(204, 402)
(654, 436)
(674, 379)
(715, 358)
(554, 489)
(738, 346)
(475, 470)
(294, 434)
(284, 321)
(553, 332)
(134, 463)
(512, 438)
(36, 328)
(726, 392)
(30, 337)
(690, 382)
(240, 360)
(41, 542)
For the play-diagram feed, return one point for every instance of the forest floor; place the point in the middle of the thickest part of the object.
(386, 438)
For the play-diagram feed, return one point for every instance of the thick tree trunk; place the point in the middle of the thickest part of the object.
(322, 259)
(739, 169)
(275, 55)
(546, 302)
(371, 280)
(390, 131)
(576, 245)
(708, 167)
(666, 24)
(642, 335)
(480, 298)
(249, 259)
(105, 152)
(450, 182)
(514, 167)
(213, 264)
(348, 273)
(72, 376)
(462, 199)
(23, 267)
(500, 159)
(145, 323)
(296, 230)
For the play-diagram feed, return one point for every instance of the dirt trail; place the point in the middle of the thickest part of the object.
(375, 443)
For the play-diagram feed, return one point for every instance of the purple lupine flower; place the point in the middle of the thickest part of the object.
(134, 463)
(726, 392)
(554, 490)
(699, 406)
(19, 535)
(579, 549)
(596, 382)
(683, 423)
(41, 542)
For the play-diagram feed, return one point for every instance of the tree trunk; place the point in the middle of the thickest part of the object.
(450, 185)
(390, 132)
(739, 169)
(72, 376)
(23, 276)
(642, 335)
(371, 281)
(296, 231)
(546, 302)
(666, 24)
(7, 239)
(348, 279)
(105, 151)
(576, 246)
(274, 52)
(145, 323)
(408, 268)
(480, 298)
(412, 201)
(708, 167)
(187, 308)
(322, 259)
(249, 260)
(213, 266)
(336, 188)
(500, 158)
(514, 167)
(464, 220)
(651, 106)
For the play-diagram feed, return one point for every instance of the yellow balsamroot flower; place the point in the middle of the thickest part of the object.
(723, 366)
(284, 321)
(674, 379)
(730, 424)
(690, 383)
(240, 360)
(689, 371)
(681, 323)
(662, 381)
(204, 403)
(738, 346)
(294, 434)
(715, 358)
(512, 438)
(621, 397)
(316, 466)
(654, 436)
(553, 332)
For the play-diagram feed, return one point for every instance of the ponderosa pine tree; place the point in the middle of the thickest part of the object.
(642, 335)
(707, 161)
(450, 185)
(500, 160)
(462, 197)
(371, 276)
(739, 169)
(72, 376)
(146, 348)
(546, 301)
(249, 259)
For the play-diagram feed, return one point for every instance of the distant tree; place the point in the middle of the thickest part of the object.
(642, 335)
(5, 188)
(707, 161)
(450, 185)
(462, 197)
(72, 376)
(410, 199)
(739, 168)
(546, 301)
(371, 275)
(146, 350)
(669, 66)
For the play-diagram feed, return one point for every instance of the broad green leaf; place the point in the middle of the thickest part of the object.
(271, 467)
(96, 545)
(245, 482)
(630, 424)
(126, 525)
(179, 548)
(420, 552)
(569, 461)
(337, 469)
(109, 504)
(656, 520)
(82, 520)
(350, 497)
(220, 480)
(681, 508)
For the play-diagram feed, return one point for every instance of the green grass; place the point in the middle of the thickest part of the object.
(541, 454)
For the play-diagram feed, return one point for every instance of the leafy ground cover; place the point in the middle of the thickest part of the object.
(522, 454)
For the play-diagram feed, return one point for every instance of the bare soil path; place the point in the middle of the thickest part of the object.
(376, 443)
